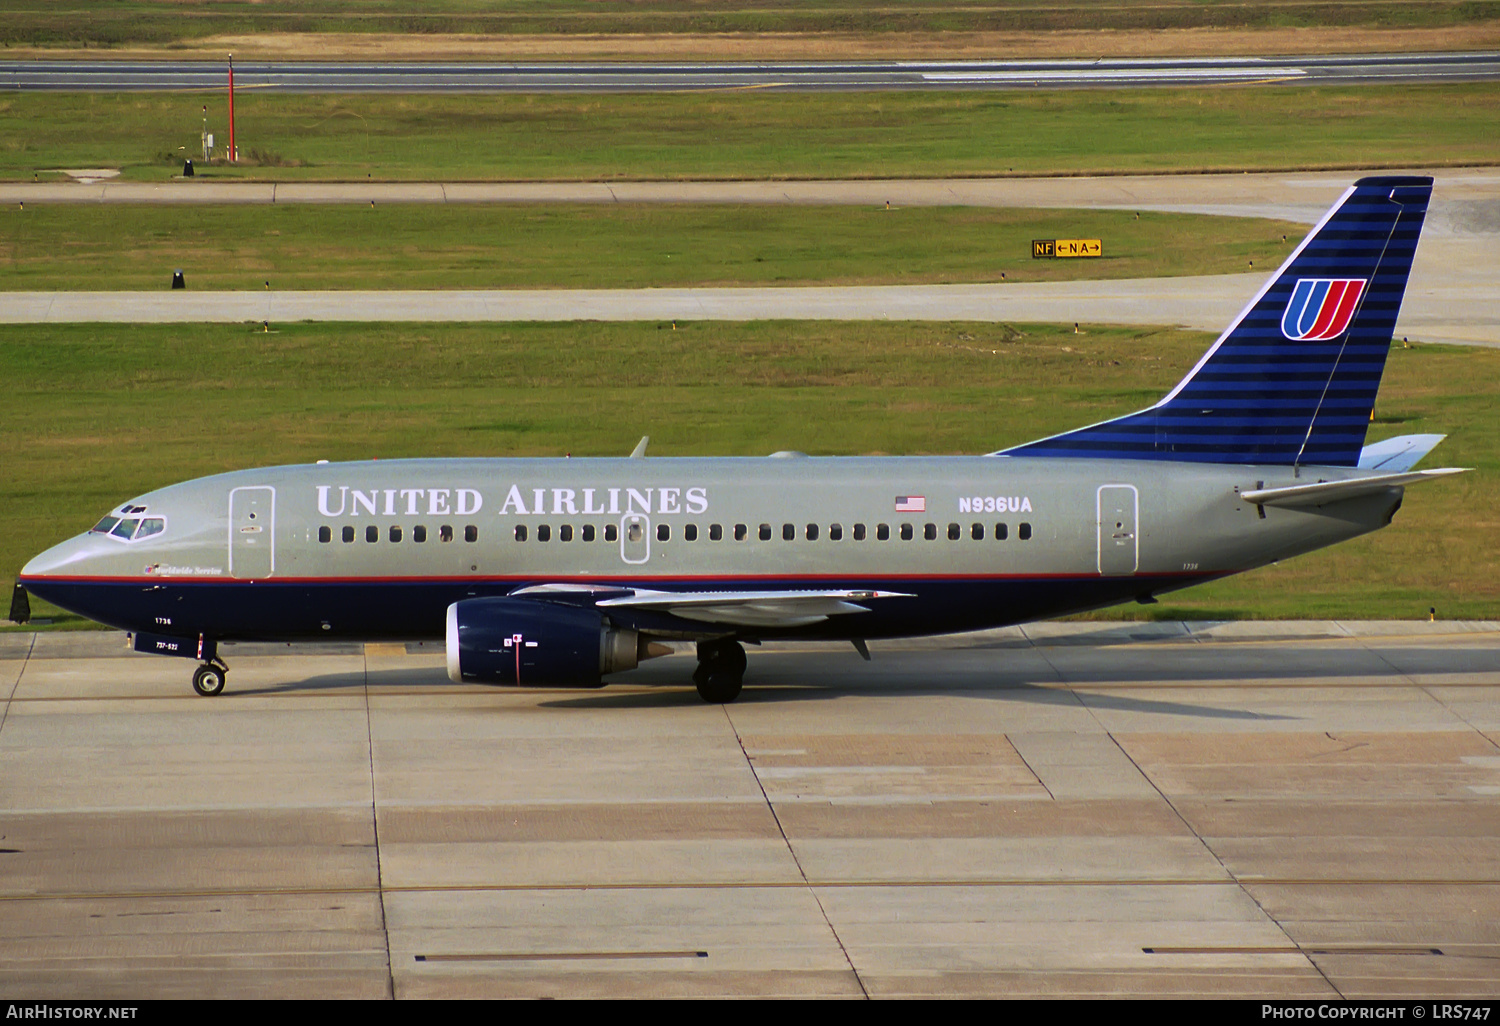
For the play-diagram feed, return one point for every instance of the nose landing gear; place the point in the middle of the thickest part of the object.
(208, 679)
(721, 671)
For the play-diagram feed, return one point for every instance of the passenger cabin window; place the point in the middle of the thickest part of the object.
(765, 532)
(372, 533)
(955, 532)
(929, 531)
(976, 531)
(588, 532)
(395, 533)
(633, 532)
(740, 531)
(788, 532)
(471, 534)
(325, 534)
(348, 534)
(663, 532)
(565, 533)
(611, 532)
(520, 532)
(906, 532)
(835, 532)
(1001, 532)
(859, 532)
(445, 533)
(1024, 533)
(882, 532)
(690, 532)
(812, 532)
(715, 532)
(543, 532)
(419, 533)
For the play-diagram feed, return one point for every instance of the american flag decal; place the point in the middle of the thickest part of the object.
(911, 504)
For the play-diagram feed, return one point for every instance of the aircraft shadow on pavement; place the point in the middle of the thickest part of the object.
(663, 692)
(771, 692)
(972, 673)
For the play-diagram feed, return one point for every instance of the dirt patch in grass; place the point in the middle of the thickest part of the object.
(802, 46)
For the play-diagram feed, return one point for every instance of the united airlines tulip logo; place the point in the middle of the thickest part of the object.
(1321, 308)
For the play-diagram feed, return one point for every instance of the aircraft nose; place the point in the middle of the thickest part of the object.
(62, 559)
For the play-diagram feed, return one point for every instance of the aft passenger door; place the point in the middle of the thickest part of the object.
(252, 532)
(1119, 544)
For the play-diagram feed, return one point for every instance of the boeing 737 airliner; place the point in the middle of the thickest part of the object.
(560, 572)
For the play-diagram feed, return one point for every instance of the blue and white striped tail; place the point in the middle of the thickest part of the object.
(1293, 379)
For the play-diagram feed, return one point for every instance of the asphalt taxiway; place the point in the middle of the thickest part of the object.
(1279, 810)
(1453, 295)
(113, 75)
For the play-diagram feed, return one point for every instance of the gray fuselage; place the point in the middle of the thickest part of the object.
(380, 549)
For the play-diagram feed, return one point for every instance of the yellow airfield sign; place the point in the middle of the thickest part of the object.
(1049, 248)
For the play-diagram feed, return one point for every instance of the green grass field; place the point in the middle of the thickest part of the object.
(595, 246)
(97, 414)
(122, 22)
(757, 134)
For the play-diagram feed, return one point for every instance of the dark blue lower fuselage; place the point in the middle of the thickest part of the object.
(415, 609)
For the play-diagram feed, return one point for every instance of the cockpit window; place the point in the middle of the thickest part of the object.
(130, 528)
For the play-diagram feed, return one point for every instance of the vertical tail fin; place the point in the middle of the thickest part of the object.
(1293, 379)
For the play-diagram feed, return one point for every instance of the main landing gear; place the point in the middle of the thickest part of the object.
(208, 679)
(721, 671)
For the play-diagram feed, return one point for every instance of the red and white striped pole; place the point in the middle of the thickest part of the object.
(233, 156)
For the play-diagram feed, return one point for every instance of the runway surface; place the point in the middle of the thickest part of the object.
(800, 76)
(1279, 810)
(1453, 296)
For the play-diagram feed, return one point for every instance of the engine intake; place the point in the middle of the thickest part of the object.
(538, 644)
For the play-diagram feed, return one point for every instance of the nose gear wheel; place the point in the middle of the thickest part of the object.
(208, 679)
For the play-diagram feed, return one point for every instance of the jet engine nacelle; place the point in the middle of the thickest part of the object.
(516, 641)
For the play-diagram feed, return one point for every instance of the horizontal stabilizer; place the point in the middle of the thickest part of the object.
(1320, 493)
(1396, 454)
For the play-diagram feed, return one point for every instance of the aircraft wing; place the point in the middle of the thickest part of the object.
(1320, 493)
(752, 608)
(732, 608)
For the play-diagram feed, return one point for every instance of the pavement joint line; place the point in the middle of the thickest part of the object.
(745, 885)
(1274, 949)
(20, 671)
(1426, 690)
(1035, 775)
(1218, 859)
(792, 851)
(556, 956)
(385, 928)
